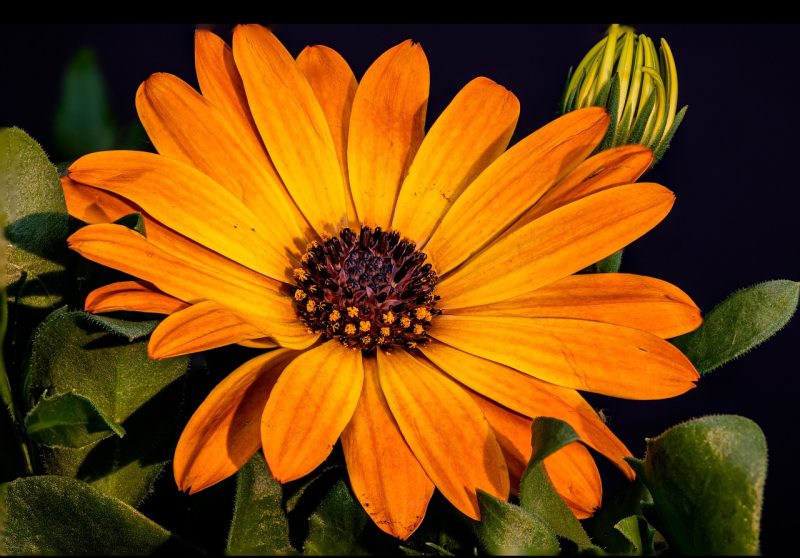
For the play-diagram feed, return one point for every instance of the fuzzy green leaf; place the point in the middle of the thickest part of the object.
(336, 526)
(33, 220)
(124, 328)
(59, 515)
(83, 120)
(707, 478)
(71, 353)
(259, 526)
(506, 529)
(537, 493)
(68, 420)
(741, 322)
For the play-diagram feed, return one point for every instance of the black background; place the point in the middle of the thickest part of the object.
(734, 223)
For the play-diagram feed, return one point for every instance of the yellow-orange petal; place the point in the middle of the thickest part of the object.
(202, 326)
(335, 86)
(557, 244)
(512, 183)
(185, 126)
(471, 132)
(223, 433)
(310, 405)
(188, 202)
(123, 249)
(445, 429)
(386, 128)
(617, 298)
(579, 354)
(571, 469)
(386, 477)
(92, 205)
(292, 125)
(134, 296)
(530, 397)
(612, 167)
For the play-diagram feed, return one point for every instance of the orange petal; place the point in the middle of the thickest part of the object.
(92, 205)
(310, 406)
(571, 469)
(134, 296)
(121, 248)
(530, 397)
(260, 343)
(185, 126)
(335, 86)
(386, 128)
(202, 326)
(189, 202)
(557, 244)
(292, 125)
(445, 429)
(579, 354)
(514, 182)
(386, 477)
(574, 475)
(617, 298)
(223, 433)
(612, 167)
(472, 132)
(221, 84)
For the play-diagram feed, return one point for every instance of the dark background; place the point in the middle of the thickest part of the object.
(734, 223)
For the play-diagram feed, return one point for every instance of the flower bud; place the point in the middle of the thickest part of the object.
(637, 85)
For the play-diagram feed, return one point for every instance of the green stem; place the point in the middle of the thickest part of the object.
(6, 394)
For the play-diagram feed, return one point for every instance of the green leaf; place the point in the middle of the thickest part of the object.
(609, 264)
(124, 328)
(638, 535)
(617, 506)
(71, 353)
(68, 420)
(743, 321)
(537, 494)
(59, 515)
(336, 526)
(34, 222)
(83, 121)
(707, 478)
(259, 522)
(506, 529)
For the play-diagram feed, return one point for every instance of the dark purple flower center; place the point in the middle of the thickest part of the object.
(368, 290)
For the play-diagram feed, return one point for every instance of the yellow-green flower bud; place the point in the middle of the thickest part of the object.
(636, 84)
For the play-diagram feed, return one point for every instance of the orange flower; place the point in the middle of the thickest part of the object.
(428, 334)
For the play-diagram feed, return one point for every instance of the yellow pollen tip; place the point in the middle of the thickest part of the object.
(381, 340)
(300, 274)
(366, 340)
(334, 316)
(305, 257)
(420, 313)
(299, 294)
(388, 317)
(349, 329)
(418, 329)
(364, 325)
(352, 312)
(405, 321)
(311, 306)
(385, 331)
